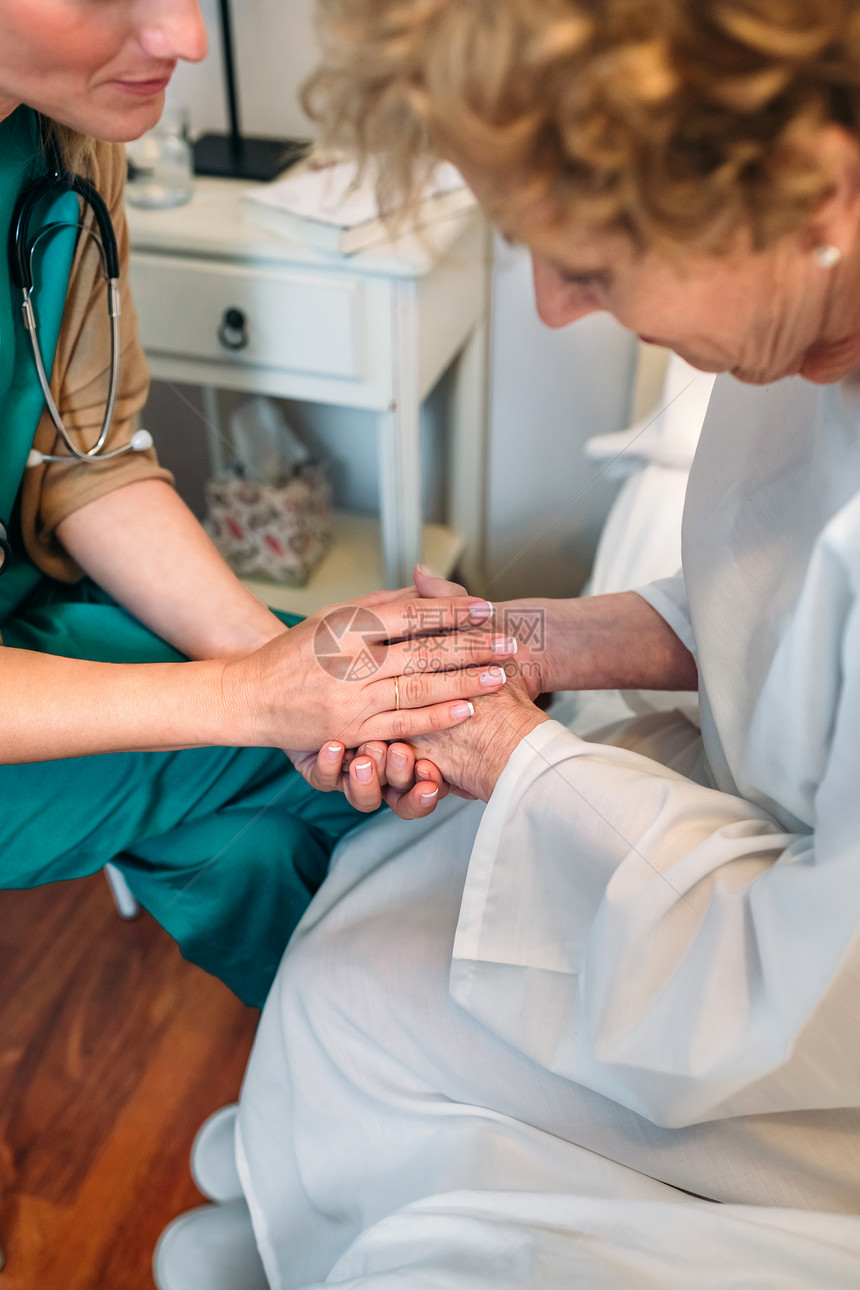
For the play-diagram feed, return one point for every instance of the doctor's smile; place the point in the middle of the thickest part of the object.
(145, 88)
(550, 901)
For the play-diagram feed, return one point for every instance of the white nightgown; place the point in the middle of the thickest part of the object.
(635, 971)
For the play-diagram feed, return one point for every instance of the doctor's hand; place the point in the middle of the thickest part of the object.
(387, 667)
(525, 621)
(472, 757)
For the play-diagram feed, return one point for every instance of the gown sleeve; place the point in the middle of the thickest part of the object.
(673, 947)
(669, 597)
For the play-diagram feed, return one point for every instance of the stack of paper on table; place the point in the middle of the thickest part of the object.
(327, 210)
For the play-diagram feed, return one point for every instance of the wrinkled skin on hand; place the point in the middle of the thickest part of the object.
(471, 760)
(413, 776)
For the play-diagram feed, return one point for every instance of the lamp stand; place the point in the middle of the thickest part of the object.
(234, 156)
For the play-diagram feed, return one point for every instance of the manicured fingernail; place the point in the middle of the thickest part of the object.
(364, 771)
(332, 752)
(503, 645)
(398, 758)
(493, 676)
(462, 709)
(481, 610)
(429, 793)
(422, 568)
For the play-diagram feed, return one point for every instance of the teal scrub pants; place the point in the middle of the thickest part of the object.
(223, 846)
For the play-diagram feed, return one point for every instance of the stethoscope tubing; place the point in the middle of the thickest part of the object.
(21, 251)
(31, 327)
(59, 181)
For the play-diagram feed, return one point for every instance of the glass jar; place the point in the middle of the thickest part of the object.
(160, 164)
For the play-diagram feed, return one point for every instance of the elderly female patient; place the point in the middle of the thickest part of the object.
(523, 1043)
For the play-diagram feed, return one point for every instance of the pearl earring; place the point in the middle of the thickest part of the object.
(827, 256)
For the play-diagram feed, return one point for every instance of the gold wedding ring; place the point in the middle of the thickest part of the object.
(397, 694)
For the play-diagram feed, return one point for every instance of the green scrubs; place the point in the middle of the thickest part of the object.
(224, 846)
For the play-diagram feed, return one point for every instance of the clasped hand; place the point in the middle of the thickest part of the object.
(466, 754)
(389, 667)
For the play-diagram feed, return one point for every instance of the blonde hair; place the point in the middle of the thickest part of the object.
(75, 150)
(678, 120)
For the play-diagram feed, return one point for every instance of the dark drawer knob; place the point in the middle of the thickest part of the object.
(233, 331)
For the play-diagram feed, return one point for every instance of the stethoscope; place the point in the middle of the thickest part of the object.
(21, 250)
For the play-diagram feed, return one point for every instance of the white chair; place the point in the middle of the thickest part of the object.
(126, 904)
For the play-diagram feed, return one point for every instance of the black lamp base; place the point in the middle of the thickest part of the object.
(242, 158)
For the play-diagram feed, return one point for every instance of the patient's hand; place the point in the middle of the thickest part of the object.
(524, 620)
(611, 642)
(472, 757)
(375, 773)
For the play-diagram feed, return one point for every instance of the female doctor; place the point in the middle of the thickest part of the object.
(148, 698)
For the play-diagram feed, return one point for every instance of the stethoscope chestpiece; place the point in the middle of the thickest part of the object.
(140, 441)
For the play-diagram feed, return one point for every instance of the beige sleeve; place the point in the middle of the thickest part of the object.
(79, 384)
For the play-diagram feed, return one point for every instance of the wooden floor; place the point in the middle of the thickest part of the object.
(113, 1050)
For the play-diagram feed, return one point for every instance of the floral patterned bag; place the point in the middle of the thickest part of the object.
(279, 534)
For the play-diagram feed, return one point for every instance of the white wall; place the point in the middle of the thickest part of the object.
(550, 390)
(274, 50)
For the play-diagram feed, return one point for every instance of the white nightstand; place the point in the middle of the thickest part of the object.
(373, 331)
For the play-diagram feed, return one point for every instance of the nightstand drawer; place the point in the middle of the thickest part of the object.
(271, 318)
